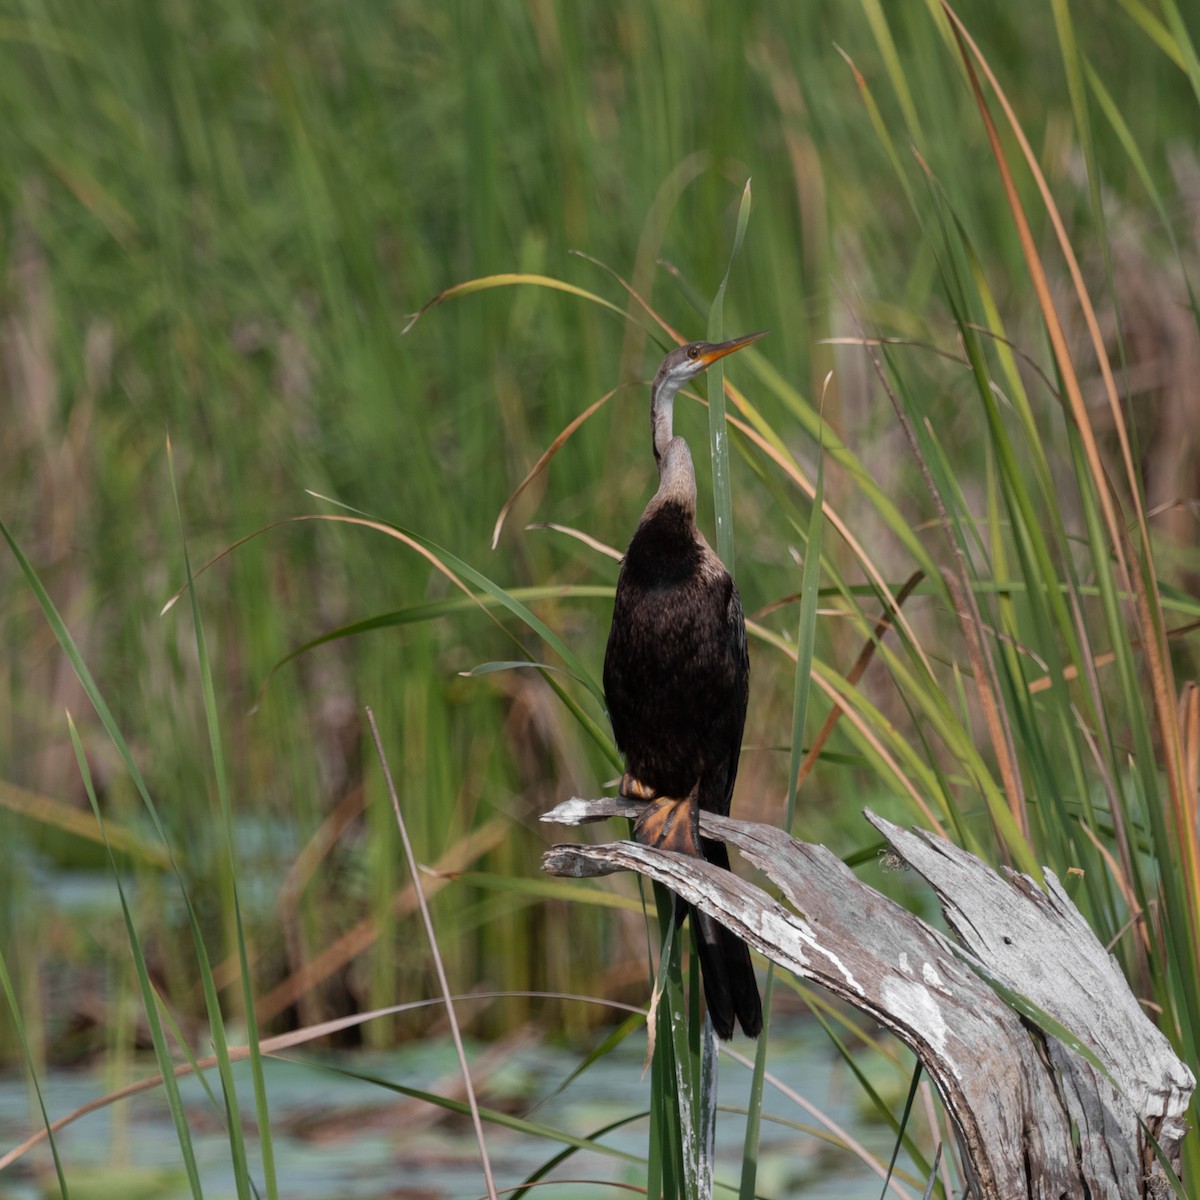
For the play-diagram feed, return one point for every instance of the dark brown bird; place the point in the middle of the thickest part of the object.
(676, 681)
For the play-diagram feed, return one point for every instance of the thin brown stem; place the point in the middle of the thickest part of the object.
(439, 966)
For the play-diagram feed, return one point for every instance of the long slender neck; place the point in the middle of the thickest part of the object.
(662, 412)
(676, 479)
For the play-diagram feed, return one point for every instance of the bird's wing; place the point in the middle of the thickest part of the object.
(740, 699)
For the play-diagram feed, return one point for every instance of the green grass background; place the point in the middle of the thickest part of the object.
(215, 222)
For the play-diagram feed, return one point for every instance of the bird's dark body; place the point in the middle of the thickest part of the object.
(676, 680)
(676, 672)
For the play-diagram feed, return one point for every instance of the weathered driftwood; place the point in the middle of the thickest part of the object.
(1034, 1118)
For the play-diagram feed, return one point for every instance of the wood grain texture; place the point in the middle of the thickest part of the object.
(1015, 1094)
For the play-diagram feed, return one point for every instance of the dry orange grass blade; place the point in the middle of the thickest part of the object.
(1039, 279)
(835, 614)
(1105, 659)
(82, 824)
(1037, 274)
(544, 461)
(1187, 812)
(856, 673)
(586, 538)
(791, 468)
(970, 620)
(1145, 588)
(510, 279)
(844, 704)
(366, 522)
(636, 295)
(916, 343)
(559, 441)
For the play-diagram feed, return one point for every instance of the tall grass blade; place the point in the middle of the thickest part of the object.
(718, 433)
(880, 126)
(611, 1040)
(1135, 575)
(503, 1120)
(276, 1045)
(220, 774)
(932, 1182)
(806, 634)
(882, 33)
(1120, 127)
(692, 1054)
(806, 638)
(415, 875)
(1154, 29)
(455, 566)
(149, 999)
(539, 1173)
(19, 1025)
(667, 1027)
(70, 649)
(1183, 44)
(878, 1105)
(511, 279)
(908, 1104)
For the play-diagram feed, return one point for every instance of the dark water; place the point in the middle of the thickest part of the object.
(339, 1138)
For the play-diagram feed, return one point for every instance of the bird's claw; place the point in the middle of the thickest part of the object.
(633, 788)
(670, 825)
(665, 823)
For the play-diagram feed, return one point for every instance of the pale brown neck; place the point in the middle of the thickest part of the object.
(676, 478)
(662, 412)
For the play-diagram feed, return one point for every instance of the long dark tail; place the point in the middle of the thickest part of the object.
(729, 984)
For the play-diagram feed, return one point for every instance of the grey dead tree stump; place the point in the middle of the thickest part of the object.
(1035, 1120)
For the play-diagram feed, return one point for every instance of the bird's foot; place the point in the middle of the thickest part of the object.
(634, 789)
(670, 825)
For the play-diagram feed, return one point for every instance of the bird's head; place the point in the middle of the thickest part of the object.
(686, 362)
(681, 365)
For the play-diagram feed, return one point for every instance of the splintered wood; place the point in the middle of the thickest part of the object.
(1035, 1118)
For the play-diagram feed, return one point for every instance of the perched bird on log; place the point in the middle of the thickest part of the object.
(676, 681)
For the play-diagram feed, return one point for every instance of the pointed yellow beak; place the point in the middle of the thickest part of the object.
(713, 351)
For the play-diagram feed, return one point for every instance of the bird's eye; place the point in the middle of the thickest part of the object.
(693, 352)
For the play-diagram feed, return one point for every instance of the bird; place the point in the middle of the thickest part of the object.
(677, 681)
